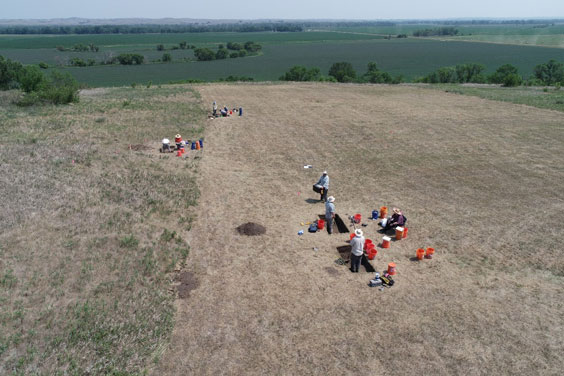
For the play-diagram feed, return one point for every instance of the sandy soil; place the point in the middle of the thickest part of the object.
(469, 173)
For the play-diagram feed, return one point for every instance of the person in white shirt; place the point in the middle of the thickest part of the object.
(357, 250)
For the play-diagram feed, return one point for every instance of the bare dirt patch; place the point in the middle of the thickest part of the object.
(188, 282)
(251, 229)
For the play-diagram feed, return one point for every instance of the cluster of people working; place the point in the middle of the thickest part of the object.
(397, 219)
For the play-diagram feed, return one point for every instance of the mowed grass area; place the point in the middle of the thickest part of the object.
(480, 181)
(92, 230)
(541, 97)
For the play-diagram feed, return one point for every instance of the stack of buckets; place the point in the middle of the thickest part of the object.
(370, 249)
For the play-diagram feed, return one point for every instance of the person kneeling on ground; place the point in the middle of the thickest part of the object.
(357, 246)
(166, 145)
(397, 219)
(330, 213)
(224, 112)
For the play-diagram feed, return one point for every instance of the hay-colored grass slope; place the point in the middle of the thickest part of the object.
(92, 230)
(481, 181)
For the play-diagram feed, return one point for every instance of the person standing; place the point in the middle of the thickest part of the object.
(357, 250)
(324, 183)
(330, 213)
(214, 108)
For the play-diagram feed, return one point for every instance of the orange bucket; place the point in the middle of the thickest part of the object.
(399, 233)
(368, 243)
(372, 253)
(429, 253)
(386, 242)
(357, 218)
(352, 236)
(179, 153)
(405, 232)
(197, 146)
(320, 224)
(420, 253)
(392, 268)
(383, 212)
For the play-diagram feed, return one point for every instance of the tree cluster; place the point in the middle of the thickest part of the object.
(79, 48)
(238, 50)
(57, 88)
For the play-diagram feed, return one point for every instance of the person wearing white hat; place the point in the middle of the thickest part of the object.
(330, 213)
(324, 183)
(214, 106)
(357, 250)
(166, 145)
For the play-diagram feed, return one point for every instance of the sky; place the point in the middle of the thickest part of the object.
(281, 9)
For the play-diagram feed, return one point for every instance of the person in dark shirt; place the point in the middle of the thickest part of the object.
(397, 219)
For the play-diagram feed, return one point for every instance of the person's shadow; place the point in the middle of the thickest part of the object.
(311, 201)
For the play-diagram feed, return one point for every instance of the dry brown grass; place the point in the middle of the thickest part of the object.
(472, 176)
(91, 230)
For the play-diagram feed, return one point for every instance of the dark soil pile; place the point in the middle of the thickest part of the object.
(138, 147)
(188, 282)
(251, 229)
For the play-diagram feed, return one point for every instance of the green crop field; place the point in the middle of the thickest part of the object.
(536, 35)
(410, 58)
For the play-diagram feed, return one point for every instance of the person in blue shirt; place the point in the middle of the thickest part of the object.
(324, 183)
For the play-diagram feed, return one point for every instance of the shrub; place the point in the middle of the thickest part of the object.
(501, 74)
(512, 80)
(234, 55)
(343, 72)
(43, 65)
(301, 73)
(57, 89)
(550, 73)
(167, 58)
(160, 47)
(10, 72)
(31, 78)
(221, 54)
(204, 54)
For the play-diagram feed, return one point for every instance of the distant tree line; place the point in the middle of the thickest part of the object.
(441, 31)
(550, 74)
(145, 29)
(341, 72)
(57, 88)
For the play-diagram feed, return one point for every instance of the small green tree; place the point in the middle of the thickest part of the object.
(160, 47)
(343, 72)
(204, 54)
(183, 45)
(301, 73)
(222, 53)
(501, 73)
(550, 73)
(375, 75)
(167, 58)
